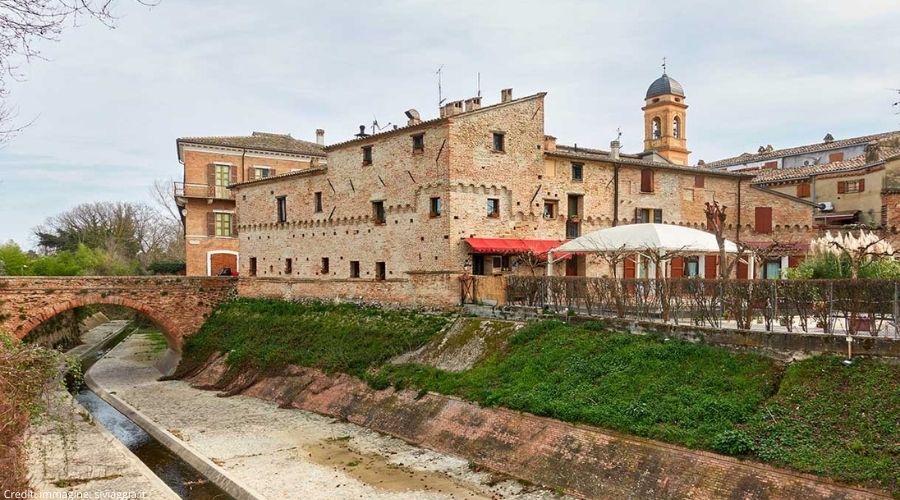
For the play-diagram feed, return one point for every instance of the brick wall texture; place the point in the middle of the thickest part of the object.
(460, 166)
(583, 461)
(179, 306)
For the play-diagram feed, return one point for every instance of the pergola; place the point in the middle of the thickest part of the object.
(658, 239)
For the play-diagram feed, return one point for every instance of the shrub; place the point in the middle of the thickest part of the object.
(733, 442)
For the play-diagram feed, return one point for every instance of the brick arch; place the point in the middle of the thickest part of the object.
(179, 305)
(168, 328)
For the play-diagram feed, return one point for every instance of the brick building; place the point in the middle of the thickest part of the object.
(207, 205)
(398, 216)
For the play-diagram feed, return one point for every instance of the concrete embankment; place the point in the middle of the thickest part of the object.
(580, 460)
(285, 453)
(86, 460)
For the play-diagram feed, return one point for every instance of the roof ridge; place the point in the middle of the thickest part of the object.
(820, 146)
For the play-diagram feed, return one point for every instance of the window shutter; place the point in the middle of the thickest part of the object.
(249, 175)
(803, 190)
(795, 260)
(742, 270)
(862, 185)
(629, 268)
(211, 177)
(646, 180)
(677, 269)
(234, 224)
(710, 267)
(763, 220)
(637, 215)
(234, 174)
(842, 187)
(210, 224)
(699, 181)
(835, 157)
(657, 216)
(272, 172)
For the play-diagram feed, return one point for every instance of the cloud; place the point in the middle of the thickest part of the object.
(110, 103)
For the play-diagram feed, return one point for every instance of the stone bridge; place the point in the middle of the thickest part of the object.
(178, 305)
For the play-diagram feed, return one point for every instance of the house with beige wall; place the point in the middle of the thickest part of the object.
(400, 215)
(210, 165)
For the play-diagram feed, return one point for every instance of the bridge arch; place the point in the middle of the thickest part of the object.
(178, 305)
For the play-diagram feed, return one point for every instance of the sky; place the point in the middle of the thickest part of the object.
(106, 105)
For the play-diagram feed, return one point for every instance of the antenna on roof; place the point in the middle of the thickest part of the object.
(376, 127)
(440, 95)
(618, 133)
(478, 85)
(664, 65)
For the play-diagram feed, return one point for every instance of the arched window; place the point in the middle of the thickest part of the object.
(676, 127)
(656, 128)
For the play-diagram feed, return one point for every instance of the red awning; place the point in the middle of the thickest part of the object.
(512, 245)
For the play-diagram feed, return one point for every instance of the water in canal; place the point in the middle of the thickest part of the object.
(177, 474)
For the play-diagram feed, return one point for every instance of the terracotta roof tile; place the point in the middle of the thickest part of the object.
(261, 141)
(797, 173)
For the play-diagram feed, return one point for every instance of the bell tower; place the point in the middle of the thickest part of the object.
(665, 121)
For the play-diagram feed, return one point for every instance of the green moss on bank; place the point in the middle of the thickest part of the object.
(271, 334)
(814, 415)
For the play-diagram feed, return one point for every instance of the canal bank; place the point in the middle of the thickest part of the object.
(282, 453)
(87, 460)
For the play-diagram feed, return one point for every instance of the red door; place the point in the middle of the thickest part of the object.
(710, 267)
(629, 269)
(219, 261)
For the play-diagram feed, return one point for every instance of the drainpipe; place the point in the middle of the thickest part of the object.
(737, 236)
(615, 194)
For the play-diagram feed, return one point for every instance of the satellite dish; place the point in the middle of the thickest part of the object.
(412, 114)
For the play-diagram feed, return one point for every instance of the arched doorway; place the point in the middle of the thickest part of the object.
(218, 260)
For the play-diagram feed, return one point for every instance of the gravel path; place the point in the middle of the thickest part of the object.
(285, 453)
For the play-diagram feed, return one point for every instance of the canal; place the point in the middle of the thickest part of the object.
(183, 479)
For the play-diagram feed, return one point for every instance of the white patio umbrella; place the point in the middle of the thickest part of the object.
(657, 238)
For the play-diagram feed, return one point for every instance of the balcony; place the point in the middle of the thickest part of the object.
(191, 190)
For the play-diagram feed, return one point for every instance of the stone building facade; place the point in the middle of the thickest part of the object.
(207, 205)
(398, 216)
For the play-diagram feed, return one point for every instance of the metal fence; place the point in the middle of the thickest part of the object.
(840, 307)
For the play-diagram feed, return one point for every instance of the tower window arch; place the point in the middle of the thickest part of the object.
(656, 128)
(676, 127)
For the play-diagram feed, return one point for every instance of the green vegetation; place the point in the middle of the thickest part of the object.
(158, 342)
(271, 334)
(828, 266)
(82, 261)
(670, 390)
(815, 415)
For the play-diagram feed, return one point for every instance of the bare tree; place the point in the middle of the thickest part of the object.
(715, 222)
(24, 23)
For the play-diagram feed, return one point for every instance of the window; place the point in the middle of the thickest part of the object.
(380, 271)
(550, 209)
(418, 143)
(855, 186)
(577, 172)
(252, 266)
(325, 266)
(676, 127)
(656, 128)
(223, 175)
(839, 156)
(318, 202)
(773, 269)
(692, 267)
(646, 180)
(435, 207)
(367, 155)
(354, 269)
(699, 181)
(222, 224)
(288, 266)
(763, 222)
(282, 209)
(645, 215)
(493, 207)
(378, 212)
(219, 178)
(803, 190)
(499, 142)
(575, 206)
(261, 172)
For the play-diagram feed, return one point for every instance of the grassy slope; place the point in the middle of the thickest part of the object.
(269, 334)
(817, 415)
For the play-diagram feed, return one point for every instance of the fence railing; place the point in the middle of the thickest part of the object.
(840, 307)
(191, 190)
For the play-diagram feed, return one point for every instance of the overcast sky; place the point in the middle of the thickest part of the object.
(109, 104)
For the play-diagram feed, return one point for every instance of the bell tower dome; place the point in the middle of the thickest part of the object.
(665, 121)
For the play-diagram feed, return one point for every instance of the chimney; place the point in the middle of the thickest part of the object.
(506, 95)
(828, 138)
(473, 103)
(362, 132)
(549, 143)
(451, 109)
(614, 148)
(320, 136)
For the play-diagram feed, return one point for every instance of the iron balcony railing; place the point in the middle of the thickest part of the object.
(193, 190)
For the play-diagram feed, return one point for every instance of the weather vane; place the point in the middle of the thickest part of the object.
(664, 65)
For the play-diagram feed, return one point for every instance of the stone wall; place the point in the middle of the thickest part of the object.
(580, 460)
(179, 306)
